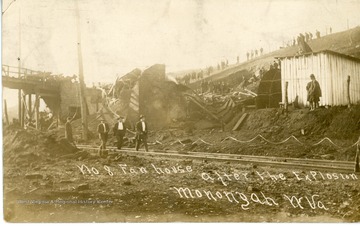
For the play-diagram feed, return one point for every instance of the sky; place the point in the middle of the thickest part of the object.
(120, 35)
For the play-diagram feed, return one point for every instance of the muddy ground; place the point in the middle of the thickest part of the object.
(46, 180)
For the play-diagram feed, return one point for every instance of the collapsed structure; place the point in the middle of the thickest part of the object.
(165, 102)
(147, 93)
(70, 100)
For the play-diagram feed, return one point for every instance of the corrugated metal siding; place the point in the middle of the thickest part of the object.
(330, 70)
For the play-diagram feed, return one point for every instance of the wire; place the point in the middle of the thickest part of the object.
(8, 7)
(276, 143)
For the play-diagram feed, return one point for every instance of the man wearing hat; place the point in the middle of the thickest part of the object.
(141, 133)
(103, 130)
(119, 131)
(68, 129)
(314, 93)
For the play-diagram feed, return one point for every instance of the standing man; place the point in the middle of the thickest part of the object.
(313, 93)
(307, 37)
(141, 133)
(103, 130)
(119, 131)
(68, 129)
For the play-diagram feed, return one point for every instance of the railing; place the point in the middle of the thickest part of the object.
(27, 76)
(11, 71)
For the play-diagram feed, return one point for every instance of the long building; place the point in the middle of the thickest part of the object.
(331, 70)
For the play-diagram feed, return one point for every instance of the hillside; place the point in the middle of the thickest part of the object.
(345, 42)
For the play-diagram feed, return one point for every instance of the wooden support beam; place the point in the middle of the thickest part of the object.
(19, 107)
(240, 121)
(32, 111)
(36, 106)
(6, 113)
(25, 106)
(29, 106)
(22, 105)
(57, 96)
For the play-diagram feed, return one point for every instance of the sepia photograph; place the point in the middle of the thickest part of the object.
(180, 111)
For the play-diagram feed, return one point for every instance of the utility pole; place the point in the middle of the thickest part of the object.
(81, 78)
(19, 96)
(20, 103)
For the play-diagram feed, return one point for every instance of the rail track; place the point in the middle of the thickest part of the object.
(270, 161)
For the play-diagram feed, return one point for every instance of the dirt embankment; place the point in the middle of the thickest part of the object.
(29, 146)
(341, 125)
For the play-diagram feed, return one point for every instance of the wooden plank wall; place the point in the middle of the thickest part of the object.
(330, 70)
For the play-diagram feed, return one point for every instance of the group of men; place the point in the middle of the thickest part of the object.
(119, 131)
(215, 87)
(192, 77)
(254, 53)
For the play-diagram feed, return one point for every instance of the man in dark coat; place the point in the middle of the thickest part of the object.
(119, 131)
(314, 93)
(103, 130)
(141, 133)
(68, 129)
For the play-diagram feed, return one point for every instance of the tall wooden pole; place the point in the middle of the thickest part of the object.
(81, 78)
(19, 96)
(357, 166)
(348, 91)
(286, 97)
(20, 103)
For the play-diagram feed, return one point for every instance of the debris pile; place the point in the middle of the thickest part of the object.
(147, 93)
(221, 104)
(161, 101)
(27, 146)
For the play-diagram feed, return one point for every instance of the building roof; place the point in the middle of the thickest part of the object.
(322, 51)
